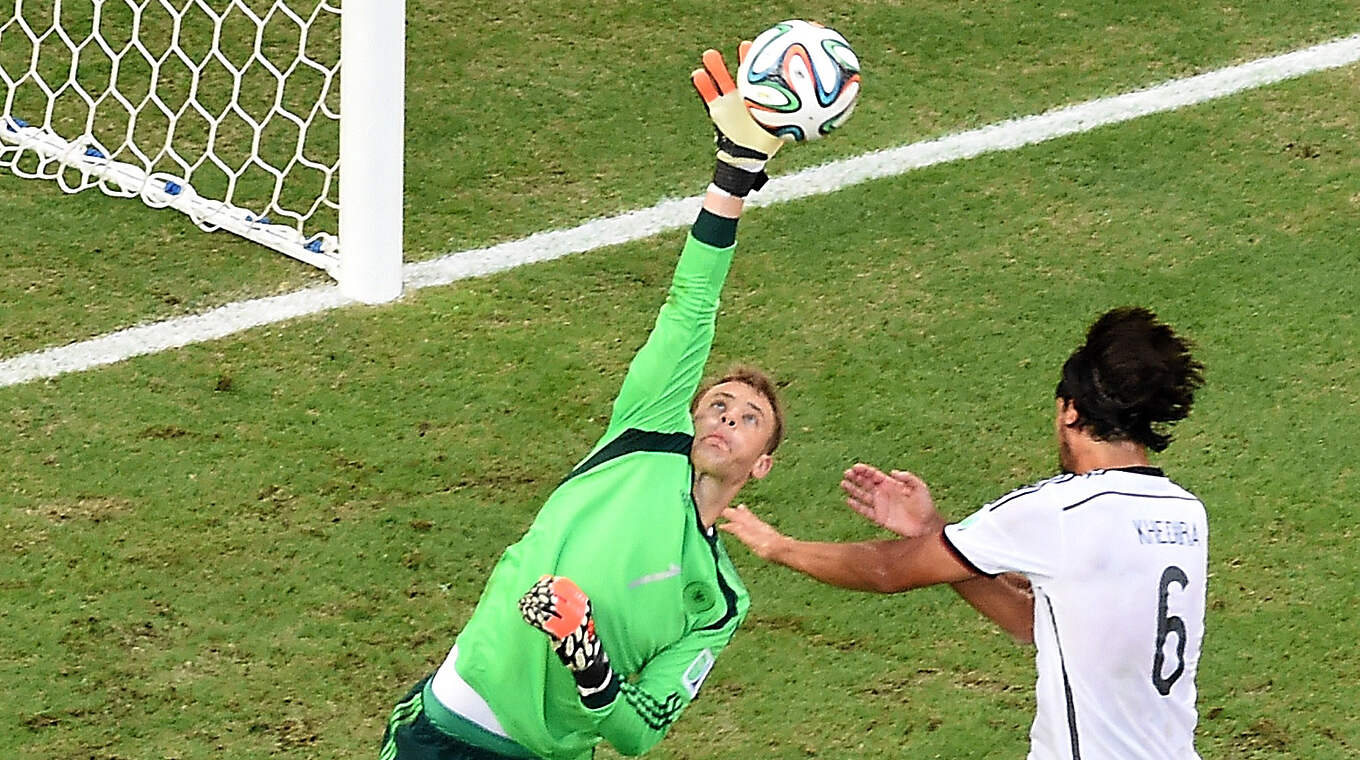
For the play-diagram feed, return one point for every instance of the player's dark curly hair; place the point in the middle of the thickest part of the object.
(1131, 379)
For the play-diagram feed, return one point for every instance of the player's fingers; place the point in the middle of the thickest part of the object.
(861, 482)
(740, 530)
(857, 491)
(868, 471)
(869, 477)
(566, 586)
(570, 599)
(742, 50)
(859, 506)
(738, 517)
(717, 68)
(860, 472)
(909, 479)
(703, 83)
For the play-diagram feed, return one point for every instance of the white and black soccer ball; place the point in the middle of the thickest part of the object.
(800, 80)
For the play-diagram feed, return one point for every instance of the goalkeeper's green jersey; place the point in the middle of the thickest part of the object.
(623, 526)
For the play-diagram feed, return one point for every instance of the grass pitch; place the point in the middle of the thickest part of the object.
(251, 547)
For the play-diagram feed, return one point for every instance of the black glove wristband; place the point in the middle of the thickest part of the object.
(736, 150)
(596, 684)
(737, 182)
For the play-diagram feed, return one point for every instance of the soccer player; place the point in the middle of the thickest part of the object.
(604, 619)
(1110, 556)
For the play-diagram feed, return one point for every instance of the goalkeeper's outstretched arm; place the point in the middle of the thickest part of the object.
(721, 204)
(662, 378)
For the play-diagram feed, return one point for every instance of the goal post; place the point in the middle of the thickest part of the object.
(277, 120)
(372, 46)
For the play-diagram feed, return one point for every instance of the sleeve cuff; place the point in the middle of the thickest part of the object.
(603, 697)
(714, 230)
(944, 536)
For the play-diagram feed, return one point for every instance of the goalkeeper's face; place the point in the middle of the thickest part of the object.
(733, 424)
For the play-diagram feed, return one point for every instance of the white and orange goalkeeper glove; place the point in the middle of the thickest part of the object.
(743, 145)
(559, 608)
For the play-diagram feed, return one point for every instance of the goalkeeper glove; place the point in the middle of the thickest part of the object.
(559, 608)
(743, 145)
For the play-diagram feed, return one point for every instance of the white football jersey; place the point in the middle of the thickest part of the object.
(1118, 560)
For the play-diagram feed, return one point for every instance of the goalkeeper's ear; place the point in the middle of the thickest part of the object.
(762, 466)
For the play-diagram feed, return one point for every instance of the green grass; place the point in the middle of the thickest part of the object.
(251, 548)
(533, 115)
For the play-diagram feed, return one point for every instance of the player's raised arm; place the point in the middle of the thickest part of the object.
(665, 373)
(881, 566)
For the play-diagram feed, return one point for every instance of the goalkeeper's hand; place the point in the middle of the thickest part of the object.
(559, 608)
(743, 145)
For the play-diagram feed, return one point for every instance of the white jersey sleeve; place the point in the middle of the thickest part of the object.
(1019, 532)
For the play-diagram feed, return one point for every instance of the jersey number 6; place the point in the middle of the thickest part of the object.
(1168, 624)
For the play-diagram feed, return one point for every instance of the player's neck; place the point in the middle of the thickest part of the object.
(712, 495)
(1089, 454)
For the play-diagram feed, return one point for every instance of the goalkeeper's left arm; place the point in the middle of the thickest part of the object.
(647, 705)
(634, 714)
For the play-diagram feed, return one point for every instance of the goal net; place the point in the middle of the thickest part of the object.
(228, 111)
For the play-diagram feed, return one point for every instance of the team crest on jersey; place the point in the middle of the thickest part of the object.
(698, 597)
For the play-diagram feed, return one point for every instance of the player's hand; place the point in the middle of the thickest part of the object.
(559, 608)
(743, 145)
(900, 502)
(758, 535)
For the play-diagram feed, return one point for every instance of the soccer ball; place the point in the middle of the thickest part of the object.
(800, 80)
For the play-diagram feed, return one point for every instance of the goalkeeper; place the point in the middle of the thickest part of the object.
(604, 619)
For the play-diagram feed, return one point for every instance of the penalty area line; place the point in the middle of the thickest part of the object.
(673, 214)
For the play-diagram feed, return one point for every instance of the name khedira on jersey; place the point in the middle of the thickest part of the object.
(1167, 532)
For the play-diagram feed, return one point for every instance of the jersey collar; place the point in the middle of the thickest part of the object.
(1140, 469)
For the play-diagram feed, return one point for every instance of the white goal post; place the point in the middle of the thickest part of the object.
(278, 120)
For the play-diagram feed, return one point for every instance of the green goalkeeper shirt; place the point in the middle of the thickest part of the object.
(623, 526)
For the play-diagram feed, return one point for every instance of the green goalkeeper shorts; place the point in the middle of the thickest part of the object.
(411, 735)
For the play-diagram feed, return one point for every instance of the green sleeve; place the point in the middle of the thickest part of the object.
(646, 706)
(664, 375)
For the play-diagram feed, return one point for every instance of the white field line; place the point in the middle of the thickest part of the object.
(672, 214)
